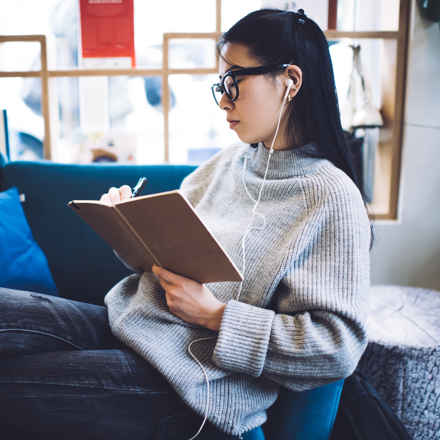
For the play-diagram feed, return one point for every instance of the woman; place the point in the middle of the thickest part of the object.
(287, 209)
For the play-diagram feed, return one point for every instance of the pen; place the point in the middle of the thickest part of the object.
(139, 187)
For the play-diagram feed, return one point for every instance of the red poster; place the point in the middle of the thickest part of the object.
(107, 29)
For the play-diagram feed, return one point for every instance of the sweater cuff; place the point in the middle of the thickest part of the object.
(243, 338)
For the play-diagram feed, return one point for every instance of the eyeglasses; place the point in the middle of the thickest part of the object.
(229, 81)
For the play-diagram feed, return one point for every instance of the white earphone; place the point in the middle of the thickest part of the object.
(290, 84)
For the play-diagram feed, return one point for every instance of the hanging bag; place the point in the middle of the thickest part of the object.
(365, 115)
(357, 109)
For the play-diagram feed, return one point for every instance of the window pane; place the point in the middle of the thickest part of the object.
(59, 21)
(21, 97)
(108, 119)
(368, 15)
(198, 126)
(233, 10)
(20, 56)
(194, 53)
(153, 19)
(27, 17)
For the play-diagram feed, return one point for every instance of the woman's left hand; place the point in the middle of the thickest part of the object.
(190, 300)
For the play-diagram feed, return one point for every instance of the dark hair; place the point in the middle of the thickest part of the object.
(274, 36)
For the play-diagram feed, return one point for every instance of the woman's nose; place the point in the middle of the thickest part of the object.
(225, 103)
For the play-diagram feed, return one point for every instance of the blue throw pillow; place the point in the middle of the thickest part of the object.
(23, 264)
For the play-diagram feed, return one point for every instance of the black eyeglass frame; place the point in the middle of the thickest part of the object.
(220, 87)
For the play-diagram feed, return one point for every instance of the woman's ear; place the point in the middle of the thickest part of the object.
(294, 73)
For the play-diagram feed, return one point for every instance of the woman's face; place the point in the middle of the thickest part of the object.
(256, 110)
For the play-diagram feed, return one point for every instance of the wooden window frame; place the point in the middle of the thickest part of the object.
(387, 175)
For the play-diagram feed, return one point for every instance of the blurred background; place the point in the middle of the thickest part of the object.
(120, 118)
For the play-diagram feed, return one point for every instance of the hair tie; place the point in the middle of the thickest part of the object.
(302, 16)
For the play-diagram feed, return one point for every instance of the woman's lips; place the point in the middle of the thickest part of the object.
(232, 124)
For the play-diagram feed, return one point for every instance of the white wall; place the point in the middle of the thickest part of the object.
(408, 252)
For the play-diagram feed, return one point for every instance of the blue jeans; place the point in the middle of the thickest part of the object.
(64, 375)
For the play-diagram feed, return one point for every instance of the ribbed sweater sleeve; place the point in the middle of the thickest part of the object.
(317, 334)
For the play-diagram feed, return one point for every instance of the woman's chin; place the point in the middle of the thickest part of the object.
(247, 139)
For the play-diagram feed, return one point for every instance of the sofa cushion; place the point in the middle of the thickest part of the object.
(82, 264)
(23, 264)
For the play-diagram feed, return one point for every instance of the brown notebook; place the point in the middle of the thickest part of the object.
(163, 229)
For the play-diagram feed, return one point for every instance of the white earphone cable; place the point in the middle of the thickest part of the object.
(207, 384)
(243, 241)
(243, 244)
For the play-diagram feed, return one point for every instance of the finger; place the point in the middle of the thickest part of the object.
(170, 303)
(169, 276)
(125, 192)
(105, 199)
(166, 285)
(114, 195)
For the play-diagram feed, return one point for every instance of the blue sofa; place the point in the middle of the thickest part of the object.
(84, 267)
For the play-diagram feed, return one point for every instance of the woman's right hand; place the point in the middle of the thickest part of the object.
(115, 195)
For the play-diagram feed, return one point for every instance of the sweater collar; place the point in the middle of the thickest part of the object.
(284, 163)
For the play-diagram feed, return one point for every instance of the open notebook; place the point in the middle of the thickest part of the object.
(163, 229)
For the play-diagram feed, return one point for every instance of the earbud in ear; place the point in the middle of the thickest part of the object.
(290, 84)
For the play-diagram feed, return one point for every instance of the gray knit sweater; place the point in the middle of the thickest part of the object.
(299, 321)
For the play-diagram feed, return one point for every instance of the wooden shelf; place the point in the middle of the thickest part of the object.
(383, 35)
(388, 156)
